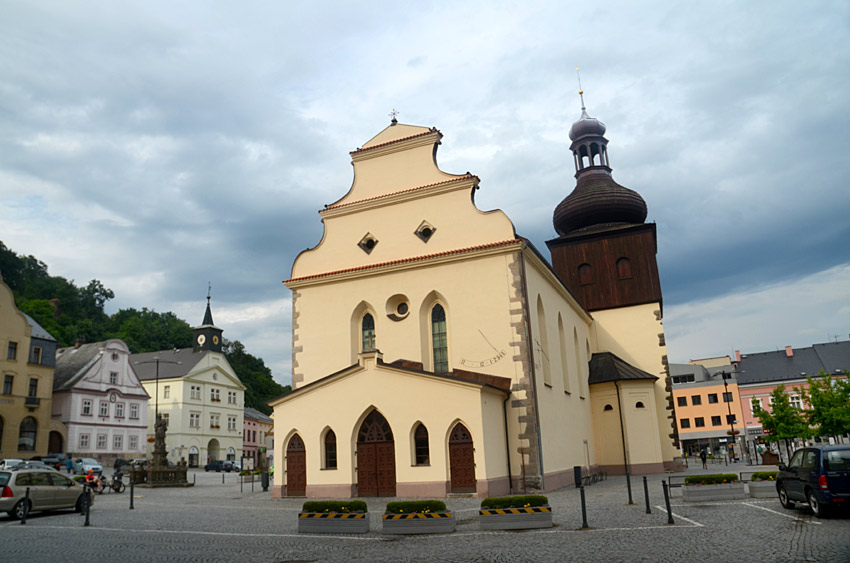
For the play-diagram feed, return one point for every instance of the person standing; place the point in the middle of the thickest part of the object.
(702, 457)
(69, 465)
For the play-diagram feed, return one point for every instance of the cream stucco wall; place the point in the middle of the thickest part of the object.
(636, 335)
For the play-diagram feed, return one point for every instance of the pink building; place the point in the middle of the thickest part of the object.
(257, 427)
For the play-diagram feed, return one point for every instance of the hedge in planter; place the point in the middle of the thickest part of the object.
(334, 517)
(724, 486)
(763, 485)
(515, 513)
(417, 517)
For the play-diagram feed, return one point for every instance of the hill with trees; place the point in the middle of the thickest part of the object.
(69, 313)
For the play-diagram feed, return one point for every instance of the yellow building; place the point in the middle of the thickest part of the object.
(434, 351)
(26, 368)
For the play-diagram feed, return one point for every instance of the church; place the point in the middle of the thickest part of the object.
(436, 352)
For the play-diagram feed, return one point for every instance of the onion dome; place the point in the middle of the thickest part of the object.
(597, 200)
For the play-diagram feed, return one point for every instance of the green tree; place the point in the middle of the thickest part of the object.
(257, 378)
(829, 404)
(149, 331)
(784, 421)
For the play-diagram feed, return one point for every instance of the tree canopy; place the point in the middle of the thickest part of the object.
(784, 421)
(829, 404)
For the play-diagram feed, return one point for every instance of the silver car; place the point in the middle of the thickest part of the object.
(83, 464)
(48, 490)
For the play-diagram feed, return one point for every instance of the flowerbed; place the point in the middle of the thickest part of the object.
(763, 485)
(716, 479)
(515, 513)
(334, 517)
(724, 486)
(417, 517)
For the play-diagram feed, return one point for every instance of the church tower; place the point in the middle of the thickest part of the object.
(207, 336)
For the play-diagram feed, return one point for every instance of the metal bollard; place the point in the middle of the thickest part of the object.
(88, 506)
(252, 483)
(132, 486)
(194, 478)
(629, 486)
(584, 525)
(646, 495)
(667, 502)
(222, 478)
(26, 507)
(241, 480)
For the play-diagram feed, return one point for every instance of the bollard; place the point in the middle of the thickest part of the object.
(222, 478)
(265, 480)
(241, 480)
(646, 495)
(629, 486)
(577, 475)
(252, 483)
(584, 525)
(194, 478)
(132, 486)
(88, 507)
(667, 502)
(26, 507)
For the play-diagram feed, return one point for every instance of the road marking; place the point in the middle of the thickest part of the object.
(795, 518)
(680, 517)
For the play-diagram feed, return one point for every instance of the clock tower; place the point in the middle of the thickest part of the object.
(207, 336)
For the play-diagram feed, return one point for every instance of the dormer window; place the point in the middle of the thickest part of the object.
(368, 243)
(585, 274)
(425, 231)
(624, 268)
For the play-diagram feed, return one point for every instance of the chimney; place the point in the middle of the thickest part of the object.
(737, 355)
(789, 352)
(79, 342)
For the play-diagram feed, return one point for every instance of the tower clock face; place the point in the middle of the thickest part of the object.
(215, 340)
(201, 339)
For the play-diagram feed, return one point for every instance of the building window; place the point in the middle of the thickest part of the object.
(585, 274)
(682, 401)
(420, 441)
(699, 422)
(113, 378)
(86, 407)
(12, 351)
(796, 401)
(231, 397)
(715, 421)
(214, 421)
(7, 384)
(195, 392)
(114, 357)
(84, 441)
(624, 268)
(330, 450)
(166, 392)
(712, 398)
(26, 435)
(165, 418)
(439, 339)
(35, 356)
(696, 400)
(727, 397)
(33, 391)
(215, 395)
(132, 442)
(101, 441)
(367, 331)
(231, 423)
(730, 419)
(134, 410)
(119, 410)
(640, 405)
(117, 442)
(104, 408)
(689, 378)
(685, 423)
(755, 404)
(194, 420)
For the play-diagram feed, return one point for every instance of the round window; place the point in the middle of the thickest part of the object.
(402, 309)
(398, 307)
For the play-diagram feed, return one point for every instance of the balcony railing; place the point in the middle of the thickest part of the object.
(32, 401)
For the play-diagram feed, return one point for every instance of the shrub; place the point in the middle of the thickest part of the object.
(711, 479)
(340, 506)
(765, 476)
(79, 478)
(415, 506)
(244, 472)
(522, 501)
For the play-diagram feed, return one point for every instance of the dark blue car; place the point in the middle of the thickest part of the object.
(818, 476)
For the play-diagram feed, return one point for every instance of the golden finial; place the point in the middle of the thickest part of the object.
(580, 91)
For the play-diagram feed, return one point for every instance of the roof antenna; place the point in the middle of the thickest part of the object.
(581, 94)
(209, 289)
(393, 114)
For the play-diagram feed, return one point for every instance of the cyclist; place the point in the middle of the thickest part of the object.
(94, 481)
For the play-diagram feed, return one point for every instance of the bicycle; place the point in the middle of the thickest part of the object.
(115, 484)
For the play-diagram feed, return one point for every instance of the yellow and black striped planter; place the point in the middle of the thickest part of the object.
(333, 522)
(418, 523)
(515, 518)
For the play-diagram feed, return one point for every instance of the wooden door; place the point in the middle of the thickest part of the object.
(375, 458)
(461, 460)
(367, 470)
(385, 468)
(296, 468)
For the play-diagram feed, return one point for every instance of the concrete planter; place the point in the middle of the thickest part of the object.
(431, 523)
(721, 491)
(515, 518)
(333, 523)
(762, 489)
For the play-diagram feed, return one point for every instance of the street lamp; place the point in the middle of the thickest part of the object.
(730, 418)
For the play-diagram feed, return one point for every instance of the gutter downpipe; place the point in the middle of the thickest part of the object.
(533, 374)
(507, 443)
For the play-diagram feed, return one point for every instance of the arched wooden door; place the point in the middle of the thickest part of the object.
(461, 460)
(296, 467)
(55, 443)
(375, 458)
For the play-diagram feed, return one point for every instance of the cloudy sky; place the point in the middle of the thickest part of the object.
(158, 146)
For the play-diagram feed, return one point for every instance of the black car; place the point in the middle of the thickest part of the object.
(818, 476)
(218, 466)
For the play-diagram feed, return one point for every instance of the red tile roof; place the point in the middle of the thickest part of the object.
(407, 260)
(458, 179)
(432, 130)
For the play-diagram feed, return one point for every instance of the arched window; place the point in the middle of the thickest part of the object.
(543, 342)
(608, 408)
(565, 369)
(367, 331)
(26, 436)
(420, 441)
(639, 405)
(585, 274)
(330, 450)
(624, 268)
(439, 341)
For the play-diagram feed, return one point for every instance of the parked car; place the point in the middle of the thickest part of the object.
(9, 463)
(818, 476)
(33, 464)
(218, 466)
(83, 464)
(49, 490)
(56, 461)
(235, 466)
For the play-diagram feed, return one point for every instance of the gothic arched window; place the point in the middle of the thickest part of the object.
(420, 440)
(330, 450)
(439, 340)
(367, 331)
